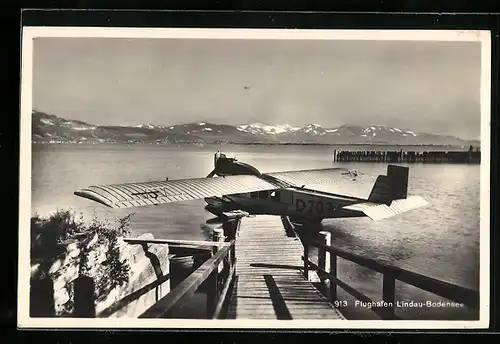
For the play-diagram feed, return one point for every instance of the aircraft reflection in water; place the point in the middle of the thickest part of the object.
(234, 187)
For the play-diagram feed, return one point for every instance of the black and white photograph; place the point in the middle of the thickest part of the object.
(254, 178)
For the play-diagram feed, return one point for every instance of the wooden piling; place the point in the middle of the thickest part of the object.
(399, 156)
(218, 235)
(389, 295)
(84, 288)
(42, 298)
(230, 229)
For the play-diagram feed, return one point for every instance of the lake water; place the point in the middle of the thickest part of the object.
(440, 240)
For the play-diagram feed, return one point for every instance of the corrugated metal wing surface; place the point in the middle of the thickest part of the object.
(150, 193)
(381, 211)
(312, 177)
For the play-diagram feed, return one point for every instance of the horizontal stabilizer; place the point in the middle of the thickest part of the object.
(312, 177)
(382, 211)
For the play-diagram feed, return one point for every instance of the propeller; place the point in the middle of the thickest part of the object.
(352, 172)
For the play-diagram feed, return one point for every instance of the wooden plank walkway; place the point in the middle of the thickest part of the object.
(270, 283)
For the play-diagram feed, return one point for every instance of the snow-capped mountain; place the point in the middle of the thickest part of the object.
(54, 121)
(260, 128)
(210, 132)
(52, 128)
(149, 126)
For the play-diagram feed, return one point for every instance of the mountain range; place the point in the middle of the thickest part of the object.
(47, 128)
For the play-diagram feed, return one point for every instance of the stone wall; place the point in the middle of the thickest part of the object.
(141, 290)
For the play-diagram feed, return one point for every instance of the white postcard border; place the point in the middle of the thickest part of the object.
(30, 33)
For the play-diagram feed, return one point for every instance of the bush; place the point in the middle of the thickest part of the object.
(49, 234)
(108, 235)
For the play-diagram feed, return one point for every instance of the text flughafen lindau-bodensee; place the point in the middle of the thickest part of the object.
(408, 304)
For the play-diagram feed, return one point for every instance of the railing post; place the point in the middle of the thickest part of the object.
(333, 274)
(42, 298)
(233, 254)
(233, 259)
(218, 236)
(325, 238)
(306, 261)
(212, 292)
(389, 294)
(213, 280)
(84, 288)
(323, 256)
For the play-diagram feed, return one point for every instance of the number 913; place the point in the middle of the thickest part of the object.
(337, 303)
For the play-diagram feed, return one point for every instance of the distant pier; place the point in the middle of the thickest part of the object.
(464, 157)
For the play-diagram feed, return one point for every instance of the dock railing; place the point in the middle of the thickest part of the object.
(391, 274)
(215, 277)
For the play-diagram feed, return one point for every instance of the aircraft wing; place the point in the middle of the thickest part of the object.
(151, 193)
(311, 177)
(377, 211)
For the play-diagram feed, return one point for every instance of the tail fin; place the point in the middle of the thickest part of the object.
(389, 196)
(392, 186)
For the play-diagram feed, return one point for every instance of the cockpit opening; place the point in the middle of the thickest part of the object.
(275, 196)
(263, 194)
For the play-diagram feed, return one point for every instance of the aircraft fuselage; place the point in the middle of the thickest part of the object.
(309, 205)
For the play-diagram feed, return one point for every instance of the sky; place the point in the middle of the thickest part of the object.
(418, 85)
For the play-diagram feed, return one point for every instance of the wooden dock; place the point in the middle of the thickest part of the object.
(254, 268)
(270, 282)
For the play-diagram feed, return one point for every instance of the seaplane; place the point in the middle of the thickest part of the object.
(234, 188)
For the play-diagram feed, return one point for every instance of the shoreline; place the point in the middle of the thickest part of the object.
(252, 144)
